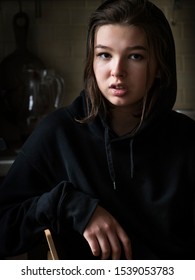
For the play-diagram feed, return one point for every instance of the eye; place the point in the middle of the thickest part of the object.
(104, 55)
(136, 56)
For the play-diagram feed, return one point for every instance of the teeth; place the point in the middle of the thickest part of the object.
(119, 87)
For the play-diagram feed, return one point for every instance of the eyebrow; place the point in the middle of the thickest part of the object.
(136, 47)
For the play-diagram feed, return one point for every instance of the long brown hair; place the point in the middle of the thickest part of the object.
(151, 19)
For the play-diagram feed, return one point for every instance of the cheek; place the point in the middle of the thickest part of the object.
(138, 76)
(100, 72)
(143, 77)
(100, 66)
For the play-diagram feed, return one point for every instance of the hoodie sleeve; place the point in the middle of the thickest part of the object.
(65, 207)
(29, 204)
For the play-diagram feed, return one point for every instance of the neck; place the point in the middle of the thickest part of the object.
(123, 121)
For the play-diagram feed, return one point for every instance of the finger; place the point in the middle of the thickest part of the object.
(126, 243)
(127, 249)
(94, 245)
(104, 246)
(115, 246)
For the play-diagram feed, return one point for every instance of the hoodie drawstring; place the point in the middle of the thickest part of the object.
(110, 158)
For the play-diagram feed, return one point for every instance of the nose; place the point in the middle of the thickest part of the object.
(118, 68)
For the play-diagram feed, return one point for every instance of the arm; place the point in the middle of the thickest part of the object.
(28, 205)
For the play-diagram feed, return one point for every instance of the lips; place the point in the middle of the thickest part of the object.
(118, 89)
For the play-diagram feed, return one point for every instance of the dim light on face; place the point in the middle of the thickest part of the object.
(123, 69)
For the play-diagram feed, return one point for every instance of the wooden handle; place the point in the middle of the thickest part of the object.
(51, 245)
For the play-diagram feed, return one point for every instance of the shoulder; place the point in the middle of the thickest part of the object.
(55, 125)
(181, 128)
(62, 117)
(181, 121)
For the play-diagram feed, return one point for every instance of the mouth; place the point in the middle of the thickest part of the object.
(118, 89)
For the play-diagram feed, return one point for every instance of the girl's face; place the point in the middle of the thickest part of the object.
(123, 69)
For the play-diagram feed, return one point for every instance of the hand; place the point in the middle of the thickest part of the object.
(106, 237)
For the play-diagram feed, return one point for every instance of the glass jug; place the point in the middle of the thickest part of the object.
(45, 90)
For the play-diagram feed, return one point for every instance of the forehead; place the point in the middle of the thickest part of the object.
(120, 34)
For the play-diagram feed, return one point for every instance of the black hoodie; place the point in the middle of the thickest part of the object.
(147, 182)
